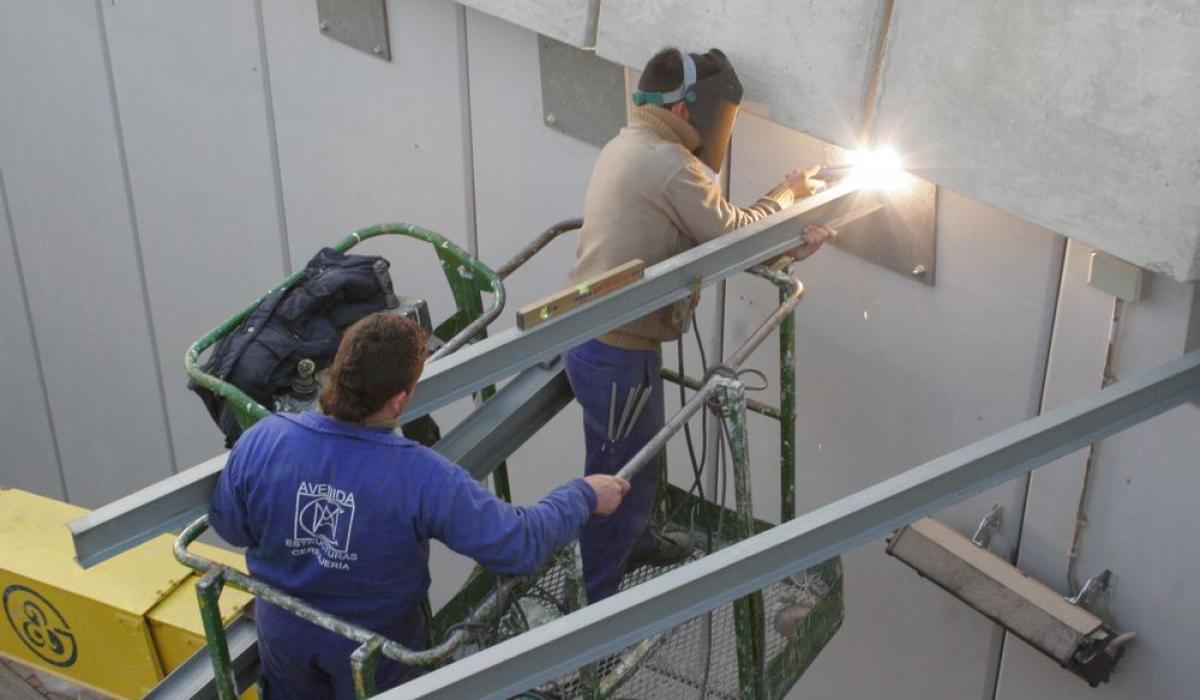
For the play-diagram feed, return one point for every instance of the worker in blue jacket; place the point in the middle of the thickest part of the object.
(338, 509)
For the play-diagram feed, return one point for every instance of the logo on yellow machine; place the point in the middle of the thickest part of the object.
(39, 625)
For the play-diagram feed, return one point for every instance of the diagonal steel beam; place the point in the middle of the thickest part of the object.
(479, 443)
(494, 431)
(684, 593)
(508, 352)
(163, 506)
(193, 679)
(170, 503)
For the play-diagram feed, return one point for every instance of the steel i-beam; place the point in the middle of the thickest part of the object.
(479, 443)
(501, 355)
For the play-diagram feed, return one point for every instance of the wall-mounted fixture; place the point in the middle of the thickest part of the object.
(361, 24)
(1064, 630)
(1114, 276)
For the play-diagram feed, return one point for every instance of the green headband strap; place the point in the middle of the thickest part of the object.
(641, 97)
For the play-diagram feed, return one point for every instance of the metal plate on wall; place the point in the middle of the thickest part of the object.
(361, 24)
(582, 95)
(900, 234)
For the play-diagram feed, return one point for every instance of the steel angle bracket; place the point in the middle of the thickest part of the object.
(360, 24)
(583, 95)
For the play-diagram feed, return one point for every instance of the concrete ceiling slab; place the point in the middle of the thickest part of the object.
(570, 21)
(1077, 115)
(803, 65)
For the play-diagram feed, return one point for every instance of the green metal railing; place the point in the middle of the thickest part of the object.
(372, 645)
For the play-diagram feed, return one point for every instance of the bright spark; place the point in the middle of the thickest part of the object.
(878, 169)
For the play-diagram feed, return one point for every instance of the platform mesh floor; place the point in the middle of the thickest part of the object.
(675, 667)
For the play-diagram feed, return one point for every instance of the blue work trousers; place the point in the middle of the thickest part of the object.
(621, 394)
(301, 661)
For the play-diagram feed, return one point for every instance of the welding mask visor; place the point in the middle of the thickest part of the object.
(712, 102)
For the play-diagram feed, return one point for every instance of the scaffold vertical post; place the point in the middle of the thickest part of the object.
(208, 592)
(748, 610)
(363, 664)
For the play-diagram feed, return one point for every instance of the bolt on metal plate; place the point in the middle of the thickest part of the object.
(583, 95)
(361, 24)
(900, 233)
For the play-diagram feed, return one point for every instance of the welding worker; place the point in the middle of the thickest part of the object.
(653, 194)
(337, 509)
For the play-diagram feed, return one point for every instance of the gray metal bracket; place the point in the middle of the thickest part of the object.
(987, 527)
(583, 95)
(360, 24)
(900, 234)
(1093, 589)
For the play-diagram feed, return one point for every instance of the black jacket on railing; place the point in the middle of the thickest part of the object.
(305, 320)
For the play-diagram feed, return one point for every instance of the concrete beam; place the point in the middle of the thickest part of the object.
(1079, 116)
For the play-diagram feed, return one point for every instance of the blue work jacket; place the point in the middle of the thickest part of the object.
(341, 516)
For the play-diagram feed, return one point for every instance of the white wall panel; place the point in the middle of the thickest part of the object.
(892, 373)
(364, 141)
(1075, 369)
(72, 224)
(189, 83)
(28, 460)
(1077, 115)
(527, 177)
(1140, 511)
(570, 21)
(806, 65)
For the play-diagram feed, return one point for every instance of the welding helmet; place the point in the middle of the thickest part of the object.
(712, 101)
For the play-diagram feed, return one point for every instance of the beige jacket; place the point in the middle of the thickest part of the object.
(650, 198)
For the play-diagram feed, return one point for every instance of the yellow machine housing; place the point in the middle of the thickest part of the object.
(118, 627)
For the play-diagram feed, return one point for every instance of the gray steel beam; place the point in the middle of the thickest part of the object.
(193, 679)
(506, 353)
(160, 507)
(494, 431)
(170, 503)
(684, 593)
(479, 443)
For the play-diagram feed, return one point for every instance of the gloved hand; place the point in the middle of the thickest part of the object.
(803, 183)
(814, 235)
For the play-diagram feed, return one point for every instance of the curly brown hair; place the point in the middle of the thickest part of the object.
(380, 355)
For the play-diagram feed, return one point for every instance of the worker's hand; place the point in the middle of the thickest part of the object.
(609, 492)
(814, 235)
(803, 183)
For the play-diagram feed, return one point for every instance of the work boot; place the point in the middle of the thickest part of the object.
(669, 548)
